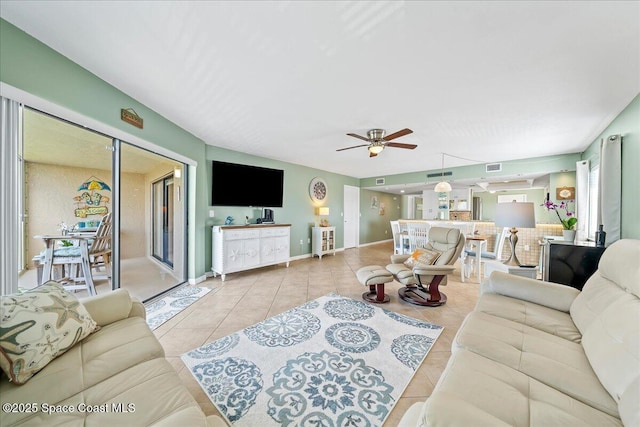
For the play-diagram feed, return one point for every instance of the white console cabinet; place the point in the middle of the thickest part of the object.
(238, 248)
(323, 241)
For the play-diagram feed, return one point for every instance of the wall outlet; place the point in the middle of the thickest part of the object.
(301, 242)
(211, 213)
(309, 240)
(527, 247)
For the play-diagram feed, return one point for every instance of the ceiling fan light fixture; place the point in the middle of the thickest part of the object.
(376, 148)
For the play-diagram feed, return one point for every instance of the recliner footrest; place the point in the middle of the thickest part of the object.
(374, 277)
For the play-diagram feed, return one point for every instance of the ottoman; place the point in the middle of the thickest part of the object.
(374, 277)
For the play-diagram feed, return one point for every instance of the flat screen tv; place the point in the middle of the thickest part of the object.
(234, 184)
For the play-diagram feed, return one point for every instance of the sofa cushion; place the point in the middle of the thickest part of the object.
(554, 361)
(607, 312)
(477, 391)
(107, 352)
(145, 394)
(422, 256)
(527, 313)
(37, 326)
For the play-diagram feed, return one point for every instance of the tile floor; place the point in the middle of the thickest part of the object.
(246, 298)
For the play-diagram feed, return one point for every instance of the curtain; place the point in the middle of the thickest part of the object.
(611, 187)
(582, 200)
(10, 224)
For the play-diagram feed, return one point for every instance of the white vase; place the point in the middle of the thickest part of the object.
(569, 235)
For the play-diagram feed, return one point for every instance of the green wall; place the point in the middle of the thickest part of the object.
(376, 210)
(627, 124)
(298, 209)
(490, 200)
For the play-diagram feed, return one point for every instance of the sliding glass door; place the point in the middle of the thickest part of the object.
(163, 220)
(72, 177)
(153, 226)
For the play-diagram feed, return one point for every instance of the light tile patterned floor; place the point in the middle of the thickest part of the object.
(250, 297)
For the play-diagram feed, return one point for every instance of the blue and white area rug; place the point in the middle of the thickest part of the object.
(165, 308)
(333, 361)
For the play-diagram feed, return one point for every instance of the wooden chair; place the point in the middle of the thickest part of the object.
(90, 252)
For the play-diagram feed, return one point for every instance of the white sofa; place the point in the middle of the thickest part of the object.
(116, 376)
(535, 353)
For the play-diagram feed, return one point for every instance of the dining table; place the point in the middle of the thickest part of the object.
(83, 240)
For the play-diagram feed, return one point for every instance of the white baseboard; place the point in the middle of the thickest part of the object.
(198, 280)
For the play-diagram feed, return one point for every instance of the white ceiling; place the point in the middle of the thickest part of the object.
(484, 80)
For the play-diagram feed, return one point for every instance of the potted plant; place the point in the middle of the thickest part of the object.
(570, 220)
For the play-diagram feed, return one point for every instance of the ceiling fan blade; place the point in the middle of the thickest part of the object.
(358, 136)
(372, 154)
(398, 134)
(401, 145)
(355, 146)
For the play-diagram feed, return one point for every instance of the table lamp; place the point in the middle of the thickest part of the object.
(323, 211)
(514, 215)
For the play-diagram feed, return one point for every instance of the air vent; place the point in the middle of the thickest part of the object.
(379, 181)
(494, 167)
(439, 174)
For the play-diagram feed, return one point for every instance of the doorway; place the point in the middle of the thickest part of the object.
(162, 229)
(351, 216)
(62, 165)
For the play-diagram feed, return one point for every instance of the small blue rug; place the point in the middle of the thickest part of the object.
(333, 361)
(158, 312)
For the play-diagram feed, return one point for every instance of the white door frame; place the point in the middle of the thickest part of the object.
(351, 217)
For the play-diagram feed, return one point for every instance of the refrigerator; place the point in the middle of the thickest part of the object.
(476, 209)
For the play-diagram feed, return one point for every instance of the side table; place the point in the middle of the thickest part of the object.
(491, 266)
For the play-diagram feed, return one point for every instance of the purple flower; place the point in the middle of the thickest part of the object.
(570, 220)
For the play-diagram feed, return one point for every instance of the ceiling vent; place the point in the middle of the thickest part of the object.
(493, 167)
(379, 181)
(439, 174)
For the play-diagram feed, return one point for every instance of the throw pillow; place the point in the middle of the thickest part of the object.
(37, 326)
(422, 256)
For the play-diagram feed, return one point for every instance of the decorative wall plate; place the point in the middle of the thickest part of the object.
(318, 189)
(565, 193)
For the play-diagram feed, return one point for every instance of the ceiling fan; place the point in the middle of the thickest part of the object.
(377, 141)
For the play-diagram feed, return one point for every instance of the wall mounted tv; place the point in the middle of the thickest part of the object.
(265, 186)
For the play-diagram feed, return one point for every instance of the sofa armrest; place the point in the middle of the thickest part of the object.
(548, 294)
(399, 259)
(113, 306)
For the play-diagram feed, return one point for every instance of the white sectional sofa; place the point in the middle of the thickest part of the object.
(116, 376)
(535, 353)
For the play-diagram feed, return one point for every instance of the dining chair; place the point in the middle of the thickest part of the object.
(397, 237)
(493, 255)
(418, 235)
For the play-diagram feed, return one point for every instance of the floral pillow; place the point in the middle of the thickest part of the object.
(37, 326)
(422, 256)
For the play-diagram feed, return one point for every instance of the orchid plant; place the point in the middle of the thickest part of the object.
(570, 221)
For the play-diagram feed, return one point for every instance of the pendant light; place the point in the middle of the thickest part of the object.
(443, 186)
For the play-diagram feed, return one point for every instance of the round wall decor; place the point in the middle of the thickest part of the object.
(318, 189)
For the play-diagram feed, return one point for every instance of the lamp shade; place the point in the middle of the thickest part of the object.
(442, 187)
(323, 211)
(515, 214)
